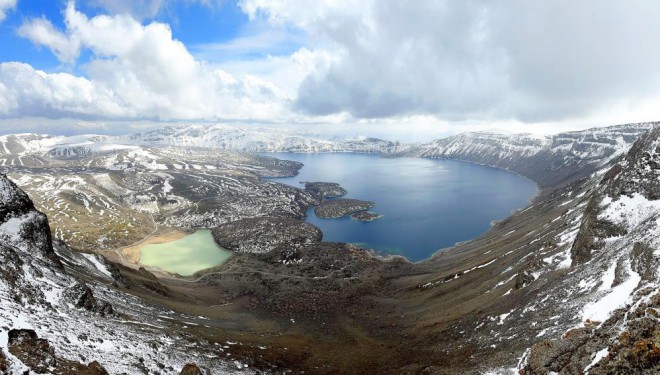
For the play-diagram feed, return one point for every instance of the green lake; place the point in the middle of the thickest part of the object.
(186, 255)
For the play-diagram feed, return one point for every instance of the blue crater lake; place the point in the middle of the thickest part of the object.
(427, 204)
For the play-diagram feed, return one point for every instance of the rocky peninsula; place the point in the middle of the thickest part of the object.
(341, 207)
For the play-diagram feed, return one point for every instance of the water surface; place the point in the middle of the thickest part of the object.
(186, 255)
(427, 204)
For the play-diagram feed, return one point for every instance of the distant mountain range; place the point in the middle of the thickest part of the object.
(567, 155)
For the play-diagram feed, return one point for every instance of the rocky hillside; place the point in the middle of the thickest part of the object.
(124, 194)
(613, 282)
(616, 261)
(54, 322)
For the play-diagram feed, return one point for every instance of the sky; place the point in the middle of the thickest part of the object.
(397, 69)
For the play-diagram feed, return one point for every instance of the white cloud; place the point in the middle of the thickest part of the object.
(31, 92)
(41, 32)
(477, 59)
(137, 71)
(317, 15)
(5, 6)
(425, 65)
(285, 72)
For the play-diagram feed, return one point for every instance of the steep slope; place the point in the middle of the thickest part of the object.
(51, 321)
(550, 160)
(619, 326)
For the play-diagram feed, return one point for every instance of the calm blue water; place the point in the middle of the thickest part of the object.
(427, 204)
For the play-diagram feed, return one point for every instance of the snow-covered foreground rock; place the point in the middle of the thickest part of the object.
(83, 323)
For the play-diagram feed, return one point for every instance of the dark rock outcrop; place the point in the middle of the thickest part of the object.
(3, 363)
(25, 227)
(264, 234)
(639, 170)
(636, 350)
(644, 262)
(592, 230)
(39, 356)
(34, 352)
(523, 278)
(192, 369)
(118, 280)
(95, 368)
(81, 296)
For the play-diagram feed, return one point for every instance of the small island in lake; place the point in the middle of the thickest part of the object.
(366, 216)
(325, 189)
(336, 208)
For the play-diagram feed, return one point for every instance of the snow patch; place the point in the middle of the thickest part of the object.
(596, 358)
(619, 295)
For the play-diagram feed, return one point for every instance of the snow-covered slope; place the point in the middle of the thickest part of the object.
(19, 144)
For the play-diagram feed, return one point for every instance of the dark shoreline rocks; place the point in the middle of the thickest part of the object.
(337, 208)
(366, 216)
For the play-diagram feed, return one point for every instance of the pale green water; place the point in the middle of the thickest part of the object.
(186, 255)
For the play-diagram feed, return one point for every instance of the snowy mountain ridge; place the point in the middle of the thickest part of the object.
(509, 151)
(222, 137)
(548, 160)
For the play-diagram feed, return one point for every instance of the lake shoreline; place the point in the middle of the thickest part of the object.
(423, 204)
(186, 255)
(131, 254)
